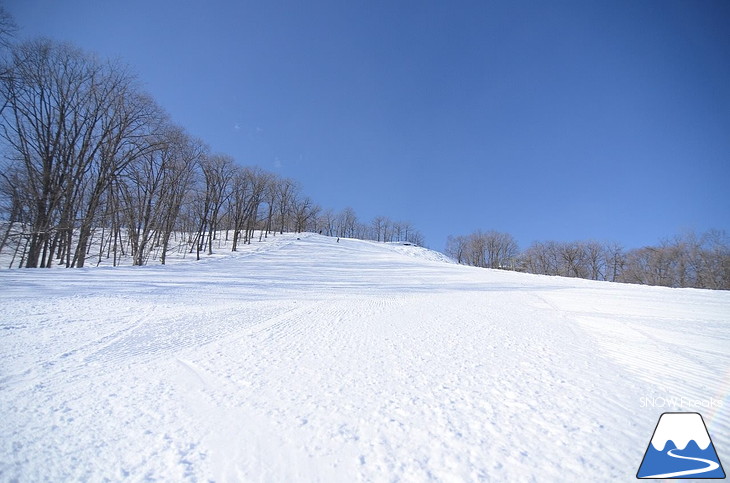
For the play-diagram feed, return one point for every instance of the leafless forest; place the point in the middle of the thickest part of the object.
(687, 260)
(88, 154)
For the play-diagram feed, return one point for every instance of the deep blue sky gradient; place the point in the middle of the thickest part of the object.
(548, 120)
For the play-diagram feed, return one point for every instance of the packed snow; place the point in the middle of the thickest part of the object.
(304, 358)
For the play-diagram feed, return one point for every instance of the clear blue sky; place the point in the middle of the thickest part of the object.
(548, 120)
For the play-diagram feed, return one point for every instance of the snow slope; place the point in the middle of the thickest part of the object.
(312, 360)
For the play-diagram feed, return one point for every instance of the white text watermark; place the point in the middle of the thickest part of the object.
(673, 402)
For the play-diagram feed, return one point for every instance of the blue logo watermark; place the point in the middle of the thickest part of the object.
(680, 448)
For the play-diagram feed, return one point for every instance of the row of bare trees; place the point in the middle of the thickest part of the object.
(487, 250)
(686, 260)
(91, 161)
(70, 125)
(582, 259)
(381, 228)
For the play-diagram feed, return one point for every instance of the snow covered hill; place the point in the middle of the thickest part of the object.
(305, 359)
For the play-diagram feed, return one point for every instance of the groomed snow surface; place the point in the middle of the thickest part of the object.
(303, 359)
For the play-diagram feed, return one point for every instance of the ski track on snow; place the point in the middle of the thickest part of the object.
(312, 360)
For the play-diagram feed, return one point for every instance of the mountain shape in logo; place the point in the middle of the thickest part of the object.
(680, 448)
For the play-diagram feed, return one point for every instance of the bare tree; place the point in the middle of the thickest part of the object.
(286, 193)
(684, 261)
(8, 27)
(347, 223)
(410, 234)
(415, 237)
(501, 249)
(270, 194)
(456, 248)
(130, 127)
(615, 260)
(152, 189)
(713, 265)
(71, 124)
(184, 154)
(248, 188)
(305, 213)
(327, 222)
(488, 250)
(217, 173)
(13, 208)
(379, 227)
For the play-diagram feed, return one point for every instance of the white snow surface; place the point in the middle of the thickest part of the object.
(312, 360)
